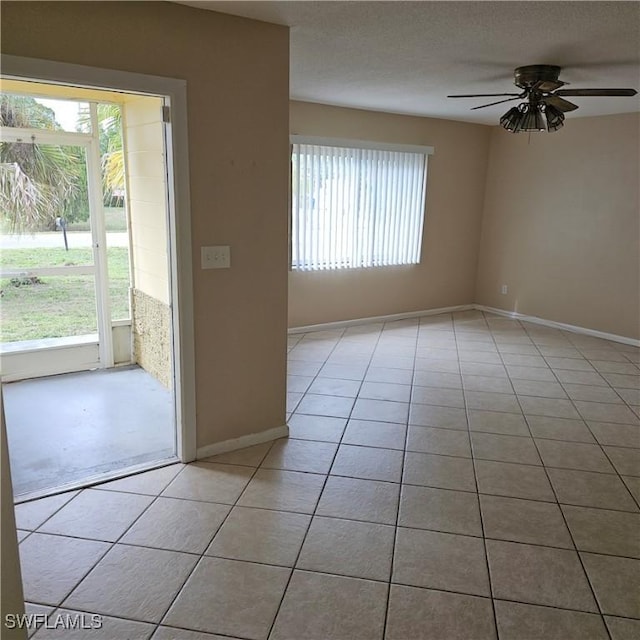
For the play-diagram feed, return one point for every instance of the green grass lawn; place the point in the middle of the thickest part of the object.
(59, 305)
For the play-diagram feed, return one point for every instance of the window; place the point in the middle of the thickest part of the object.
(356, 204)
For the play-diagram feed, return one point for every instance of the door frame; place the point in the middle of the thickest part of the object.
(174, 91)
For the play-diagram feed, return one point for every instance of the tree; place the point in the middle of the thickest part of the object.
(38, 182)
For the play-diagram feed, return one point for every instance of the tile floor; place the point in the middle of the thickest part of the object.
(459, 476)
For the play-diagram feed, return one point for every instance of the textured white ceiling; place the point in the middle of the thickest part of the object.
(406, 57)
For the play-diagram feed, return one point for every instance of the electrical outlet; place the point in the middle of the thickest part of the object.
(218, 257)
(504, 290)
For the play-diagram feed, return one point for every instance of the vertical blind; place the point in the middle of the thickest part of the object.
(356, 207)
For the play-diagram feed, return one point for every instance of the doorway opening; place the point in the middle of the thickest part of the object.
(87, 343)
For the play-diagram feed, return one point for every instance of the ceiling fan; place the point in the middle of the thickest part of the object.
(543, 99)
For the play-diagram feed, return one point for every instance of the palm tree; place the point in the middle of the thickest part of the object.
(38, 183)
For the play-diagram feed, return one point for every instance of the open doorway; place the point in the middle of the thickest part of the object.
(87, 326)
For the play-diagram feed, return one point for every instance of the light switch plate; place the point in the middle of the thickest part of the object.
(218, 257)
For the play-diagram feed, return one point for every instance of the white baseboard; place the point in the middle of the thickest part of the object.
(242, 442)
(559, 325)
(341, 324)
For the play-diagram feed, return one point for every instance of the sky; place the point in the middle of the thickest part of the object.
(66, 112)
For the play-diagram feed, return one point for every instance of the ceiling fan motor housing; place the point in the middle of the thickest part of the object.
(527, 77)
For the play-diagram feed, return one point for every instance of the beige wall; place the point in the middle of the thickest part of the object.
(455, 192)
(561, 224)
(237, 92)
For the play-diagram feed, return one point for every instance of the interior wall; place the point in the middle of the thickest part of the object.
(455, 193)
(237, 92)
(561, 225)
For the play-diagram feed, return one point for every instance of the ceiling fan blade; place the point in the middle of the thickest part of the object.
(548, 85)
(482, 106)
(560, 103)
(595, 92)
(484, 95)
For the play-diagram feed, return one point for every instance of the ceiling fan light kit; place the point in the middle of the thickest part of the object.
(544, 106)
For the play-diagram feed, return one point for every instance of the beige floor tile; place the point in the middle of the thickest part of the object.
(444, 441)
(259, 535)
(392, 362)
(438, 396)
(22, 534)
(381, 410)
(498, 422)
(605, 366)
(319, 405)
(348, 548)
(133, 582)
(150, 483)
(435, 615)
(623, 628)
(385, 391)
(560, 429)
(438, 366)
(513, 480)
(387, 435)
(343, 371)
(518, 621)
(335, 387)
(571, 364)
(368, 463)
(323, 607)
(487, 383)
(589, 489)
(427, 415)
(538, 575)
(300, 455)
(606, 412)
(230, 598)
(321, 428)
(440, 510)
(538, 388)
(382, 374)
(484, 357)
(177, 525)
(36, 610)
(440, 561)
(633, 484)
(626, 461)
(616, 583)
(592, 393)
(630, 396)
(617, 435)
(622, 380)
(491, 446)
(210, 482)
(527, 521)
(301, 368)
(366, 500)
(542, 374)
(30, 515)
(99, 515)
(437, 379)
(247, 457)
(298, 384)
(552, 407)
(604, 531)
(283, 490)
(53, 565)
(580, 377)
(574, 455)
(492, 401)
(171, 633)
(438, 471)
(293, 400)
(102, 628)
(523, 360)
